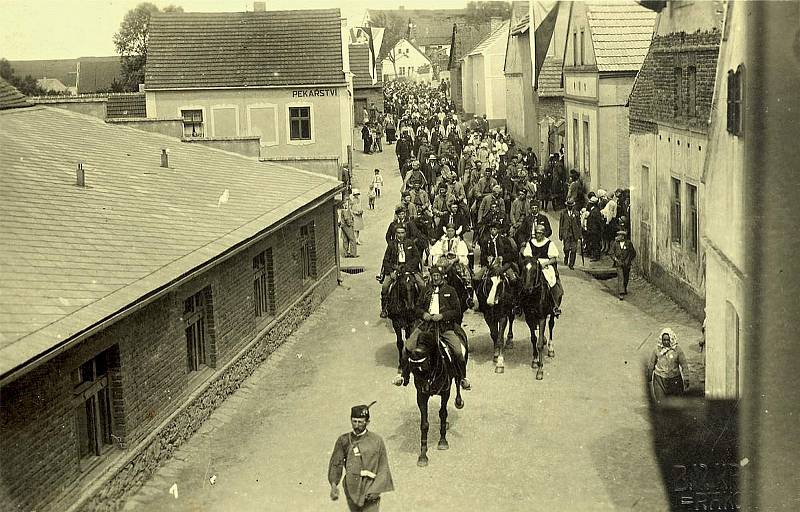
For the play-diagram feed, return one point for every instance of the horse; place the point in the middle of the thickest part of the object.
(400, 306)
(496, 302)
(537, 305)
(461, 287)
(433, 375)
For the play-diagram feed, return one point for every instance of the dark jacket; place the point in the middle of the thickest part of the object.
(569, 228)
(595, 221)
(526, 229)
(622, 256)
(390, 257)
(412, 231)
(404, 148)
(449, 305)
(458, 219)
(504, 249)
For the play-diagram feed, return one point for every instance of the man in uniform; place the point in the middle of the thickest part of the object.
(546, 253)
(361, 456)
(439, 309)
(401, 255)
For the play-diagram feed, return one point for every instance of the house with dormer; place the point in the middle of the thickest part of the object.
(606, 45)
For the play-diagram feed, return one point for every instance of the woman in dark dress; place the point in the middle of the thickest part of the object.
(366, 136)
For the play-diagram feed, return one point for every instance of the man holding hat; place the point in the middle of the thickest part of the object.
(622, 254)
(569, 232)
(361, 456)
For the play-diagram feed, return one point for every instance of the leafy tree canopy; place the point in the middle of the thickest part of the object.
(27, 85)
(396, 29)
(481, 12)
(131, 41)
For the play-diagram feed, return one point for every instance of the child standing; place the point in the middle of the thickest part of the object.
(371, 197)
(377, 182)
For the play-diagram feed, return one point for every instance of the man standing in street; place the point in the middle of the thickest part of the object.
(361, 456)
(622, 253)
(569, 232)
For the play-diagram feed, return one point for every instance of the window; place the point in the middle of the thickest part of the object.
(676, 210)
(300, 123)
(92, 405)
(192, 123)
(575, 48)
(736, 101)
(196, 317)
(678, 78)
(402, 70)
(693, 220)
(586, 148)
(308, 254)
(575, 152)
(583, 48)
(263, 284)
(691, 103)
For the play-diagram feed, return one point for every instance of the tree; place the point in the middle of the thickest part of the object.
(480, 12)
(131, 41)
(396, 28)
(27, 85)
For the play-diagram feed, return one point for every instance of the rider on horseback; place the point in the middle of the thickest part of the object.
(497, 255)
(546, 253)
(438, 308)
(451, 252)
(401, 255)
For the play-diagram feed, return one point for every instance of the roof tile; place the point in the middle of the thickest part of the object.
(621, 34)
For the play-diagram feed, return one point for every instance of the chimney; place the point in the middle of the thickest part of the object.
(259, 6)
(81, 181)
(165, 158)
(495, 23)
(141, 87)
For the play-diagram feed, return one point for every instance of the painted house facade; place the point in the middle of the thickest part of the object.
(607, 43)
(483, 87)
(406, 61)
(724, 239)
(670, 110)
(139, 291)
(280, 76)
(464, 38)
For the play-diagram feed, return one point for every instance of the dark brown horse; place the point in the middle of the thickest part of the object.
(400, 306)
(537, 305)
(496, 302)
(433, 375)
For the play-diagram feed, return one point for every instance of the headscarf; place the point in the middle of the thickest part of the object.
(673, 341)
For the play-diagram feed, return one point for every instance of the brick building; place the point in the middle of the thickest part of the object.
(138, 299)
(670, 109)
(607, 43)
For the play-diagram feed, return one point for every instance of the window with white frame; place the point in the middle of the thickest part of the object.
(300, 123)
(192, 123)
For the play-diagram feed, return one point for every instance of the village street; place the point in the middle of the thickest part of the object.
(578, 440)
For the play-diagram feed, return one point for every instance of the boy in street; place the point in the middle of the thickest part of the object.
(622, 254)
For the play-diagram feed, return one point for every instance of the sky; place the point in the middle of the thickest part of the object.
(68, 29)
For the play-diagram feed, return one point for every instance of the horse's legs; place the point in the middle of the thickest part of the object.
(510, 337)
(445, 396)
(534, 341)
(502, 321)
(398, 332)
(422, 403)
(540, 344)
(550, 350)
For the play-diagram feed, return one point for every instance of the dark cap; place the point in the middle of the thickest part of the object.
(360, 411)
(399, 209)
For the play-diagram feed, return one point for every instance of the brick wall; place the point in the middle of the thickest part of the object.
(149, 380)
(551, 106)
(654, 96)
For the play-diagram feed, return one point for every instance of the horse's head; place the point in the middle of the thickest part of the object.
(531, 274)
(408, 289)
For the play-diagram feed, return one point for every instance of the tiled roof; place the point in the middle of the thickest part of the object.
(244, 49)
(72, 257)
(10, 97)
(500, 32)
(359, 65)
(464, 39)
(126, 105)
(621, 34)
(550, 77)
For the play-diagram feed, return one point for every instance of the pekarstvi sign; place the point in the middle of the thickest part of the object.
(313, 93)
